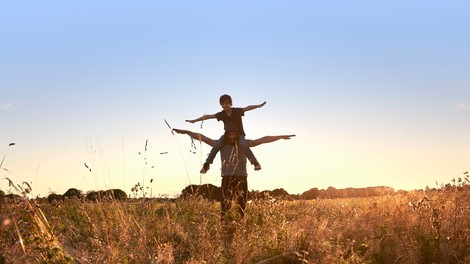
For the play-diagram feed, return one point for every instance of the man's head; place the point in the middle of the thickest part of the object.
(232, 137)
(231, 134)
(225, 101)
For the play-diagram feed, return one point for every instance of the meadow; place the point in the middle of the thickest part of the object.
(425, 226)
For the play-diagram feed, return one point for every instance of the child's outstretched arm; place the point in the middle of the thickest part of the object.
(204, 117)
(197, 136)
(251, 107)
(267, 139)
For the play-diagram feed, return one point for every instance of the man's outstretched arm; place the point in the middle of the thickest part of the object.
(197, 136)
(267, 139)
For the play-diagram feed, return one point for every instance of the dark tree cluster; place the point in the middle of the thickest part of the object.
(206, 191)
(274, 194)
(108, 195)
(94, 196)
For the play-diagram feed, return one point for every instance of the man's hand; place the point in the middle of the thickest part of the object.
(287, 136)
(179, 131)
(191, 121)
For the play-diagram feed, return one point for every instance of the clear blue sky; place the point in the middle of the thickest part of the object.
(377, 92)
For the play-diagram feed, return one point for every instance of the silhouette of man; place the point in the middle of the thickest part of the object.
(234, 173)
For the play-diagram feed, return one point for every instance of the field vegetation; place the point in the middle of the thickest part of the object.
(424, 226)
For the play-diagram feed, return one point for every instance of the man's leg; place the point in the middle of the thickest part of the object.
(226, 199)
(242, 194)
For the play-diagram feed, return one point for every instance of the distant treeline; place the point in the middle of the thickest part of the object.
(212, 192)
(73, 193)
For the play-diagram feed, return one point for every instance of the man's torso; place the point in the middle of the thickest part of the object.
(233, 160)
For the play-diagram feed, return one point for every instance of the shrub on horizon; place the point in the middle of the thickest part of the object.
(108, 195)
(54, 197)
(73, 193)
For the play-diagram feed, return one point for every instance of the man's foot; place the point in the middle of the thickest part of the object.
(257, 166)
(205, 167)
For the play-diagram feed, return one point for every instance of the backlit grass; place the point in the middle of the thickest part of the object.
(429, 226)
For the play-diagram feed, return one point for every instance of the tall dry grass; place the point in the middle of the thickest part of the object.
(429, 226)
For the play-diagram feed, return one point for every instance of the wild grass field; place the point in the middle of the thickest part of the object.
(431, 226)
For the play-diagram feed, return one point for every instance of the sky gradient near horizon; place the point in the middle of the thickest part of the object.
(377, 92)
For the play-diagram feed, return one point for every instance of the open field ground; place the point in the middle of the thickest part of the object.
(430, 226)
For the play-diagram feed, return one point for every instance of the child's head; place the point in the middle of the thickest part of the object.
(225, 99)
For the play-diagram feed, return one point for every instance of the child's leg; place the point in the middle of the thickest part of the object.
(215, 149)
(249, 154)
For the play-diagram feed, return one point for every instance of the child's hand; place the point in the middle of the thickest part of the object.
(261, 105)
